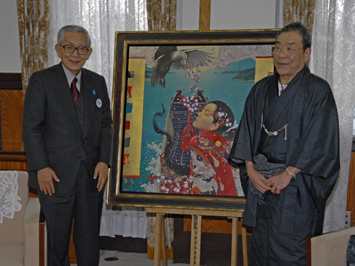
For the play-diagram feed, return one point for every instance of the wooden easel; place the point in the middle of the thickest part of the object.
(195, 251)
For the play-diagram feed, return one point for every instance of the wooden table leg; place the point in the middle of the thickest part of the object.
(195, 250)
(157, 244)
(42, 240)
(234, 258)
(245, 246)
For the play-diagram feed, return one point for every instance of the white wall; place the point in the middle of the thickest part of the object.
(231, 14)
(187, 14)
(250, 14)
(225, 14)
(9, 41)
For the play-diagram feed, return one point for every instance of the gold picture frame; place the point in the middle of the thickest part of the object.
(145, 89)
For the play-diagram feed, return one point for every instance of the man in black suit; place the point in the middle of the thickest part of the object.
(67, 137)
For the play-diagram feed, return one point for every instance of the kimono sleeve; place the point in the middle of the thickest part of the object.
(317, 151)
(247, 137)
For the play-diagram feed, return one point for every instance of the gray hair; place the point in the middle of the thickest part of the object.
(72, 28)
(302, 30)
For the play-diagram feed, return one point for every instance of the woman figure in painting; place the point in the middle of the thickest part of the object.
(210, 172)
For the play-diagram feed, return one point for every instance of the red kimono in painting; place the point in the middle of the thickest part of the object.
(210, 171)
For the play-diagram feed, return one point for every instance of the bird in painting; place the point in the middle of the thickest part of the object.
(171, 57)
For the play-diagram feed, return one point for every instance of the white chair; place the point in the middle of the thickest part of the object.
(330, 249)
(22, 237)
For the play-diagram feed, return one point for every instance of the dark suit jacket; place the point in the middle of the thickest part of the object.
(51, 131)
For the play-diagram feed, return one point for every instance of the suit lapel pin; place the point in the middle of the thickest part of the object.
(94, 92)
(98, 103)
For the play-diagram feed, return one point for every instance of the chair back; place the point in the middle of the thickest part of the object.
(330, 249)
(13, 201)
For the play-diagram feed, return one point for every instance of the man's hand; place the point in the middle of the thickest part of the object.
(279, 182)
(101, 173)
(45, 178)
(256, 178)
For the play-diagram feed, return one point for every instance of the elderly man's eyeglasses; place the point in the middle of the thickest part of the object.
(82, 50)
(287, 50)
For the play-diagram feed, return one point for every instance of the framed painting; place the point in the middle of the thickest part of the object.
(177, 100)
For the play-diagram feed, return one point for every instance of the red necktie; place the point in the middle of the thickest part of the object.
(74, 91)
(283, 87)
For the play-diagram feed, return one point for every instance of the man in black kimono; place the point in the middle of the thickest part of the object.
(287, 148)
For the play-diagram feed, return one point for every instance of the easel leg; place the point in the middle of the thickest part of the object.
(163, 245)
(234, 258)
(195, 250)
(245, 246)
(157, 245)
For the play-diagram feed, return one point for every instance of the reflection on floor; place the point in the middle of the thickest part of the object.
(117, 258)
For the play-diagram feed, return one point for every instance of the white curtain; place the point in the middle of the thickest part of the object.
(125, 221)
(102, 18)
(333, 58)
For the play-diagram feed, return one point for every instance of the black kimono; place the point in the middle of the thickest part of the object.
(308, 140)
